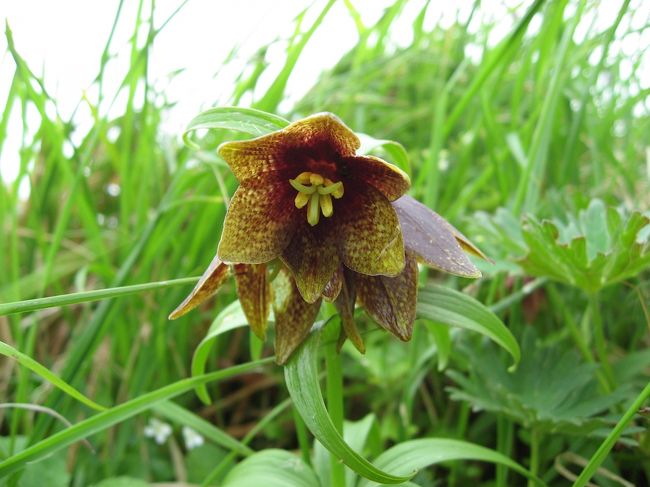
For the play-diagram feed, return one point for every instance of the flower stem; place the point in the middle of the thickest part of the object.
(334, 383)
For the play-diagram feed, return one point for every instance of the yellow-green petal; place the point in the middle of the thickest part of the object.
(211, 280)
(371, 239)
(345, 306)
(294, 316)
(312, 257)
(255, 295)
(390, 180)
(391, 301)
(259, 222)
(277, 151)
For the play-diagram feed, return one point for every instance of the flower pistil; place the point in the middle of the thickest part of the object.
(316, 192)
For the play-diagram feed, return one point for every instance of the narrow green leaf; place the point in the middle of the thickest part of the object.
(87, 296)
(301, 376)
(182, 416)
(230, 318)
(45, 373)
(271, 468)
(115, 415)
(417, 454)
(453, 308)
(247, 120)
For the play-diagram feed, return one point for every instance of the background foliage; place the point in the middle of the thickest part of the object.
(535, 146)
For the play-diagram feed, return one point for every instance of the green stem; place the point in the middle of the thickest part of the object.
(535, 438)
(303, 437)
(334, 383)
(599, 341)
(600, 455)
(505, 433)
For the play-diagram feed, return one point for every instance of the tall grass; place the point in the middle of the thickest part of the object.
(539, 122)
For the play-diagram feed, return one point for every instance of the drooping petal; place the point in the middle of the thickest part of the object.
(259, 223)
(312, 257)
(254, 294)
(333, 287)
(371, 239)
(391, 301)
(345, 306)
(387, 178)
(319, 134)
(432, 239)
(211, 280)
(293, 316)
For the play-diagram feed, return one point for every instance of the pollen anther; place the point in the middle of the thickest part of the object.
(316, 192)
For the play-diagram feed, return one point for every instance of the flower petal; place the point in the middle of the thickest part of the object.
(345, 306)
(312, 257)
(254, 294)
(391, 301)
(387, 178)
(333, 287)
(259, 223)
(432, 239)
(293, 316)
(319, 134)
(211, 280)
(371, 239)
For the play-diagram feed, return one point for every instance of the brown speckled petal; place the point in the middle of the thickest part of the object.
(371, 239)
(211, 280)
(259, 223)
(333, 287)
(387, 178)
(320, 133)
(345, 306)
(293, 316)
(312, 257)
(391, 301)
(255, 295)
(432, 239)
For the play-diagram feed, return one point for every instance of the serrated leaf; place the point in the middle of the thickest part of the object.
(301, 377)
(448, 307)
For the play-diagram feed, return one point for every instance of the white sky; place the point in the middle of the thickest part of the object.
(64, 40)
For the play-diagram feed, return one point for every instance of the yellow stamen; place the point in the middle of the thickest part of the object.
(326, 205)
(301, 200)
(316, 192)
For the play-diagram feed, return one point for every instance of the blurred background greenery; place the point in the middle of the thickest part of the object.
(533, 141)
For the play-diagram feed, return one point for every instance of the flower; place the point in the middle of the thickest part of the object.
(158, 430)
(191, 438)
(306, 198)
(335, 226)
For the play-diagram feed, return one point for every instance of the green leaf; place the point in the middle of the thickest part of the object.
(301, 376)
(184, 417)
(417, 454)
(246, 120)
(271, 468)
(88, 296)
(122, 482)
(449, 307)
(115, 415)
(395, 152)
(231, 317)
(45, 373)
